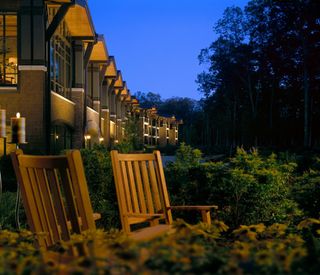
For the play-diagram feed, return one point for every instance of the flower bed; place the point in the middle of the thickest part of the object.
(197, 249)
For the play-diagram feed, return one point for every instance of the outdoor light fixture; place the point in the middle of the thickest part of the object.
(101, 139)
(87, 139)
(18, 129)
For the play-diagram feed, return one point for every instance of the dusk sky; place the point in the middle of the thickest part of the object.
(156, 43)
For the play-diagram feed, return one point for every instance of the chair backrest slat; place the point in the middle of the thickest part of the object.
(42, 223)
(43, 183)
(154, 186)
(61, 215)
(146, 185)
(163, 186)
(141, 197)
(139, 184)
(133, 189)
(126, 187)
(80, 188)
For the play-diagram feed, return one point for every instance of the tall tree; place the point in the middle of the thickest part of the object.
(262, 82)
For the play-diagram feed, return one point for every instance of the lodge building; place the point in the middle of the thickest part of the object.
(57, 72)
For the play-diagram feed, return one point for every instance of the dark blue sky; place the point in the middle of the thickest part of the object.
(156, 42)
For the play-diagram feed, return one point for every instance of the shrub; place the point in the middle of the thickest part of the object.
(248, 189)
(197, 249)
(98, 170)
(186, 156)
(306, 192)
(7, 210)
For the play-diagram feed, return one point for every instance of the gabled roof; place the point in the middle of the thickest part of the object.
(111, 68)
(100, 52)
(77, 18)
(119, 81)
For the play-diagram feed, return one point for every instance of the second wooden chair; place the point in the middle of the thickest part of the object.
(143, 196)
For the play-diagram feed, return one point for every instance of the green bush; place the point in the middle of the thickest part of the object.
(306, 192)
(192, 249)
(7, 210)
(98, 170)
(248, 189)
(186, 156)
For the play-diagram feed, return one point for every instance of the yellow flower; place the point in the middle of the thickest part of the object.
(232, 268)
(280, 247)
(242, 245)
(277, 229)
(243, 230)
(26, 247)
(294, 240)
(259, 228)
(241, 254)
(307, 223)
(252, 236)
(221, 226)
(263, 257)
(294, 255)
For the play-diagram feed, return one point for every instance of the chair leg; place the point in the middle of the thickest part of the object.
(206, 217)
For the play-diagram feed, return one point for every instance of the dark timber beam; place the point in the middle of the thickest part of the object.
(103, 72)
(87, 54)
(84, 38)
(57, 20)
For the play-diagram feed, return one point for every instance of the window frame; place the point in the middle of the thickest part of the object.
(3, 30)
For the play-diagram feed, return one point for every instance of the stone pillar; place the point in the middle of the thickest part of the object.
(79, 73)
(78, 97)
(163, 134)
(106, 115)
(94, 85)
(119, 129)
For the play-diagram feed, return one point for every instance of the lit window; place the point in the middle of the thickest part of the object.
(8, 50)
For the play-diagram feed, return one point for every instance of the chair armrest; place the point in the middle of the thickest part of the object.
(96, 216)
(204, 210)
(194, 207)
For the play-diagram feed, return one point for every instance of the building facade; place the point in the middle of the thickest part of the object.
(55, 70)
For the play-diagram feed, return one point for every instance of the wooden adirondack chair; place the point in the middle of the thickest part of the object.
(143, 197)
(55, 197)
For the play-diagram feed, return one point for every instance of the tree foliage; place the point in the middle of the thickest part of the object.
(262, 84)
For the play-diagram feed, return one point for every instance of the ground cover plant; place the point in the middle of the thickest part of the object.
(197, 249)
